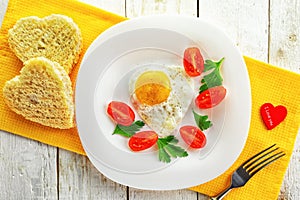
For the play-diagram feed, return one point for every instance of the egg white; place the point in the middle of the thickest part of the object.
(163, 118)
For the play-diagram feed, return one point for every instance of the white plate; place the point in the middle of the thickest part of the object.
(159, 40)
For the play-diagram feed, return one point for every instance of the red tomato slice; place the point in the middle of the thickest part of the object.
(210, 97)
(120, 113)
(142, 140)
(193, 61)
(193, 136)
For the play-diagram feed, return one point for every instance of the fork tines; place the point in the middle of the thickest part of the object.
(262, 159)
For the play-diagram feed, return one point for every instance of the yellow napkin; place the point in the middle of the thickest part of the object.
(279, 87)
(91, 21)
(268, 84)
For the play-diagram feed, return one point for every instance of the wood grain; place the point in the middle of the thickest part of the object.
(285, 51)
(115, 6)
(137, 8)
(78, 178)
(245, 22)
(28, 169)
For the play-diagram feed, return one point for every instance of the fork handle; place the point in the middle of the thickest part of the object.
(222, 194)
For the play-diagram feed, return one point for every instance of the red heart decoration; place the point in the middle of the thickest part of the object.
(272, 116)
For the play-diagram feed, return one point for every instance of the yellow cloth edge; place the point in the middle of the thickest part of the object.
(249, 191)
(16, 9)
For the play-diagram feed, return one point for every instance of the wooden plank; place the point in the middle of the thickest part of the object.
(78, 178)
(136, 8)
(285, 51)
(115, 6)
(27, 168)
(3, 6)
(285, 34)
(245, 22)
(135, 194)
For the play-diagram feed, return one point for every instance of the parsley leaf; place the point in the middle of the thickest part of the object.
(214, 78)
(129, 131)
(168, 149)
(202, 121)
(162, 153)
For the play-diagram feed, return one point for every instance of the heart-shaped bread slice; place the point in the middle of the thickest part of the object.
(55, 37)
(42, 93)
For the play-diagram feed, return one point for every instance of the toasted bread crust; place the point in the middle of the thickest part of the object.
(55, 37)
(42, 93)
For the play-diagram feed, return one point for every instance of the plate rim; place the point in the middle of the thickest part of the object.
(114, 30)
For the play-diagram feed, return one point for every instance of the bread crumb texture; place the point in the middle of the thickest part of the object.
(55, 37)
(42, 93)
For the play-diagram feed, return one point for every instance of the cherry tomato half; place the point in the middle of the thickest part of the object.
(193, 61)
(193, 136)
(210, 97)
(120, 113)
(142, 140)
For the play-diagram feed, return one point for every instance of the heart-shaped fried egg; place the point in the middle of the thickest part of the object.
(161, 96)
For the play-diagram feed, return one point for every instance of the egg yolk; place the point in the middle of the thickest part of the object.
(152, 87)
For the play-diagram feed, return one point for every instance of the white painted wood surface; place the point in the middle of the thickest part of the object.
(268, 30)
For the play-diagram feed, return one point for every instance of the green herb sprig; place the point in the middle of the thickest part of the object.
(214, 78)
(202, 121)
(167, 148)
(128, 131)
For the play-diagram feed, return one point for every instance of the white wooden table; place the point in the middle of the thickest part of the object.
(268, 30)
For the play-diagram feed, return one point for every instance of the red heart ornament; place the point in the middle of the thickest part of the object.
(272, 116)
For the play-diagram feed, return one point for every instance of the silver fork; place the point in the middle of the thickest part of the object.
(250, 167)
